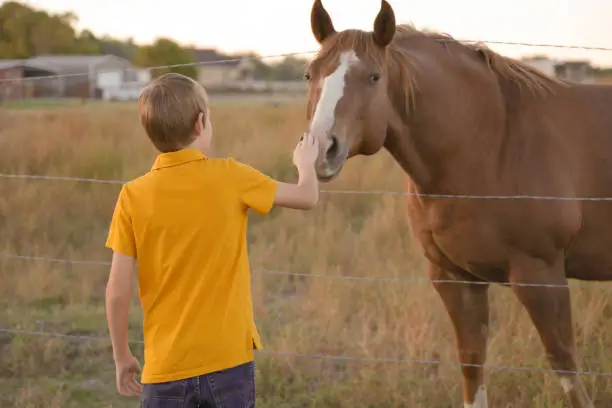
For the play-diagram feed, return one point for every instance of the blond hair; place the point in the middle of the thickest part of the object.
(169, 107)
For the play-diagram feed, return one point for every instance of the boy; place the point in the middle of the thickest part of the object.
(185, 224)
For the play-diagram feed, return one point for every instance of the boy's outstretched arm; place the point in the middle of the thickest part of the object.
(118, 296)
(260, 192)
(301, 196)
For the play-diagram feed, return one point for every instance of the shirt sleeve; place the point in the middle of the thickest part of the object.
(256, 190)
(121, 233)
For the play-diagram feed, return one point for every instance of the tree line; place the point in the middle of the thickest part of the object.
(27, 32)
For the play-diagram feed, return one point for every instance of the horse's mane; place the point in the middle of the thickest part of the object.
(401, 64)
(517, 71)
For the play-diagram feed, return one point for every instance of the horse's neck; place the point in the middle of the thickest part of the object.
(467, 143)
(440, 157)
(402, 148)
(445, 170)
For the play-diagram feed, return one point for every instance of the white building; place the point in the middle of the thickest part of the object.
(122, 85)
(576, 71)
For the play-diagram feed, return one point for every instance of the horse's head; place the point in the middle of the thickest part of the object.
(348, 84)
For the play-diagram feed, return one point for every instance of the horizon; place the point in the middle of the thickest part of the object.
(558, 22)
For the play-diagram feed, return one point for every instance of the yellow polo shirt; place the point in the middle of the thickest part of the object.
(185, 221)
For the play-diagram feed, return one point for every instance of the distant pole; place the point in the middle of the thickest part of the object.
(91, 81)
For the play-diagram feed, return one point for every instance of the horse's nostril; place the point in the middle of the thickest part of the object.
(333, 148)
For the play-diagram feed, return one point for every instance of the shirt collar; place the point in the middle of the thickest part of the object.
(177, 158)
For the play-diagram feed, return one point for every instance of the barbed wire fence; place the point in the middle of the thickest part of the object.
(328, 356)
(7, 255)
(349, 192)
(73, 337)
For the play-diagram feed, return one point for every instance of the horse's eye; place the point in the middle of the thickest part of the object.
(307, 76)
(374, 77)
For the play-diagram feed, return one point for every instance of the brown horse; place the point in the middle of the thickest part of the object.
(462, 119)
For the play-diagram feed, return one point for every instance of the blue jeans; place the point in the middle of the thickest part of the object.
(230, 388)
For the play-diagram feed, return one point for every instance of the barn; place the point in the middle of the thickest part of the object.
(65, 76)
(12, 75)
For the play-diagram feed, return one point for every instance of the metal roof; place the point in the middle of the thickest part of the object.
(61, 64)
(9, 63)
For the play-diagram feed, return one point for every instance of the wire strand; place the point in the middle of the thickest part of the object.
(155, 67)
(382, 279)
(351, 192)
(329, 357)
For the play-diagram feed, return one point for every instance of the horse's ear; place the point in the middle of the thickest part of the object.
(384, 25)
(320, 22)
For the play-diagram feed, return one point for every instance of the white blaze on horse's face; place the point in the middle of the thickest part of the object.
(332, 91)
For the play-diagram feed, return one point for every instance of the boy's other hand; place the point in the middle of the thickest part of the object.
(306, 151)
(126, 369)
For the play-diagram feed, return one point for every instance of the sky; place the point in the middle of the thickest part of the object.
(283, 26)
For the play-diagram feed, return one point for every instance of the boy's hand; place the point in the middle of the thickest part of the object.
(306, 151)
(305, 194)
(126, 369)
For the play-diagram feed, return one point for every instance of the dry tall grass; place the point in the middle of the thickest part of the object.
(351, 235)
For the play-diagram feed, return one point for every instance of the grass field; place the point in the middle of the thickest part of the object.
(365, 235)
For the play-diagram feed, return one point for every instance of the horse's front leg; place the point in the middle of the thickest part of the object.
(550, 310)
(468, 308)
